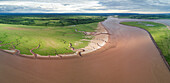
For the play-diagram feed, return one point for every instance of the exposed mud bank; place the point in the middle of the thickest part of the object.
(129, 57)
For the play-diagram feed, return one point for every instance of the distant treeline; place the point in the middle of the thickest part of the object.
(161, 16)
(49, 20)
(85, 14)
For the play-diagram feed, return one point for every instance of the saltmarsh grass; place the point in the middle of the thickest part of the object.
(52, 39)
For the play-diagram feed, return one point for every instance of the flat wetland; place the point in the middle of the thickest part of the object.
(53, 39)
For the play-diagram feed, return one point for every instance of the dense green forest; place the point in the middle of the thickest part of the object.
(49, 20)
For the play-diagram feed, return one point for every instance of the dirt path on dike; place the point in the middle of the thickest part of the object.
(130, 56)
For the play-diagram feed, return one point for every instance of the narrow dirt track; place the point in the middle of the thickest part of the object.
(129, 57)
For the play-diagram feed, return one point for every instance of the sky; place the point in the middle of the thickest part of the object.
(84, 6)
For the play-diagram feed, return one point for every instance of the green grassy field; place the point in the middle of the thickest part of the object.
(160, 33)
(52, 39)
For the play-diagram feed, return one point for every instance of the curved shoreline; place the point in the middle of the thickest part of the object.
(129, 57)
(99, 40)
(163, 57)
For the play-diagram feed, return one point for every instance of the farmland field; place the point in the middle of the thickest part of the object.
(52, 39)
(159, 32)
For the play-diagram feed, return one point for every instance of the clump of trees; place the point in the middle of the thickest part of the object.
(49, 20)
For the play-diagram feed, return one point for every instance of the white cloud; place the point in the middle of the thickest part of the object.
(84, 6)
(54, 6)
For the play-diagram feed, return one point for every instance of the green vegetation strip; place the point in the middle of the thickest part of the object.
(52, 40)
(49, 20)
(145, 16)
(159, 32)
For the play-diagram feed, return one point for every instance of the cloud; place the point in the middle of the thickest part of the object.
(138, 5)
(42, 6)
(83, 6)
(23, 9)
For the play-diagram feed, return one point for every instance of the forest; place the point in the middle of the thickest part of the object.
(49, 20)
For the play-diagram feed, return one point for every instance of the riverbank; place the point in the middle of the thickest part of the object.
(100, 38)
(129, 57)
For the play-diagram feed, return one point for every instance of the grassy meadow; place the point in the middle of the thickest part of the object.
(159, 32)
(52, 39)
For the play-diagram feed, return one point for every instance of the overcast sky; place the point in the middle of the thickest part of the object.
(84, 6)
